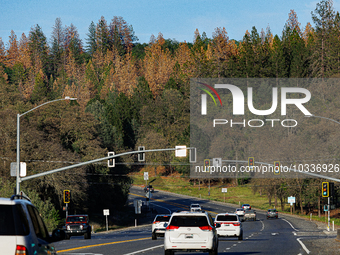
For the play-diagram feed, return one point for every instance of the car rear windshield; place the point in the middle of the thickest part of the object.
(162, 218)
(189, 221)
(226, 218)
(13, 221)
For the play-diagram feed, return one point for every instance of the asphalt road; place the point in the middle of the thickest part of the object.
(286, 235)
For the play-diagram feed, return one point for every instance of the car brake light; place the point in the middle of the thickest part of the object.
(171, 227)
(237, 224)
(205, 228)
(20, 250)
(156, 222)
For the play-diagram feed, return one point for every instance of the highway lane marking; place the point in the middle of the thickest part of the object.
(262, 226)
(303, 245)
(102, 244)
(144, 250)
(170, 203)
(163, 207)
(290, 224)
(298, 239)
(163, 201)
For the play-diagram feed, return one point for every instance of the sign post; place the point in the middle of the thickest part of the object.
(106, 213)
(224, 190)
(291, 201)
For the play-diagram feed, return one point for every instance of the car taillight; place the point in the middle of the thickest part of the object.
(20, 250)
(206, 228)
(156, 222)
(237, 224)
(171, 227)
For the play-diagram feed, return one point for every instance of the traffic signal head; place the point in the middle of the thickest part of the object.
(277, 167)
(207, 162)
(141, 156)
(111, 161)
(325, 189)
(251, 163)
(67, 196)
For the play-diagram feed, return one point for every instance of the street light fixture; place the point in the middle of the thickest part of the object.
(18, 139)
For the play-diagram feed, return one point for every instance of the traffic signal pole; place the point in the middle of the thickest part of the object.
(92, 162)
(329, 214)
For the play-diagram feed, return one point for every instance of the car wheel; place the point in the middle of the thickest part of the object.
(168, 252)
(254, 219)
(240, 236)
(154, 237)
(67, 236)
(87, 235)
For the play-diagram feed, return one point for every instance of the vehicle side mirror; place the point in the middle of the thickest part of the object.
(57, 235)
(165, 224)
(217, 225)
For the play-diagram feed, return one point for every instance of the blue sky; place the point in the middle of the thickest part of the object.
(175, 19)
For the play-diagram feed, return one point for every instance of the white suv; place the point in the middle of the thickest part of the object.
(158, 227)
(195, 208)
(191, 231)
(22, 229)
(230, 225)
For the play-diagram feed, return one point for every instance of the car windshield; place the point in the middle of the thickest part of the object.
(250, 211)
(194, 205)
(189, 221)
(226, 218)
(76, 219)
(239, 210)
(271, 210)
(162, 218)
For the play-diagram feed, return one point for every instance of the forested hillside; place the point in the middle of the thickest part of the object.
(131, 94)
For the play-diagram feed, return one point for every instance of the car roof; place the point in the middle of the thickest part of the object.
(9, 201)
(190, 213)
(227, 214)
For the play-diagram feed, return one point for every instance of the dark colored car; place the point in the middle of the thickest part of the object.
(77, 225)
(148, 188)
(272, 213)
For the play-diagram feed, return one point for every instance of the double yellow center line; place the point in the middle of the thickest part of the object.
(102, 244)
